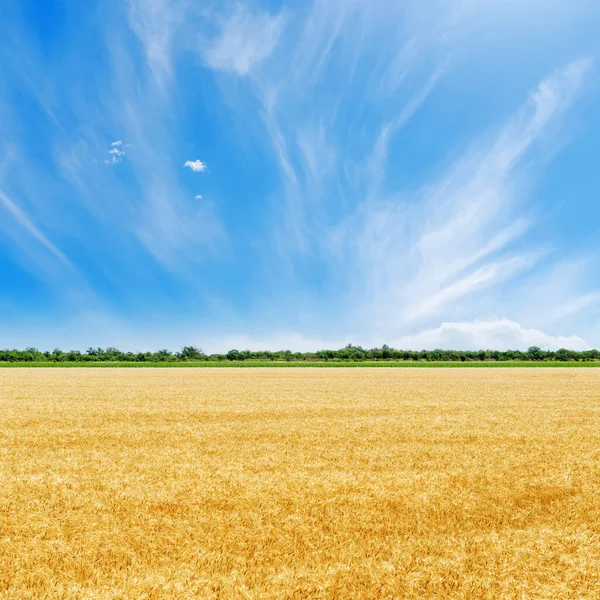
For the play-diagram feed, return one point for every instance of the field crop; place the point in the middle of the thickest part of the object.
(250, 364)
(299, 483)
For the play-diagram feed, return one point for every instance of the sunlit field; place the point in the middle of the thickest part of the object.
(299, 483)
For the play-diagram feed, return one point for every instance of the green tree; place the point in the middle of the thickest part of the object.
(191, 353)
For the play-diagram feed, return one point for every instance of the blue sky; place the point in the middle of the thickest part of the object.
(299, 174)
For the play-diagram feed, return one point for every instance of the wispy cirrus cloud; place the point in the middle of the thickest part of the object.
(143, 210)
(407, 256)
(24, 221)
(425, 255)
(178, 234)
(577, 306)
(356, 199)
(246, 38)
(154, 23)
(306, 137)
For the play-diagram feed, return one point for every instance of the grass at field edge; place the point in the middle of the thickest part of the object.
(341, 364)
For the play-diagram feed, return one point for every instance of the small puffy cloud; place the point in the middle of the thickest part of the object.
(501, 334)
(195, 165)
(198, 197)
(115, 154)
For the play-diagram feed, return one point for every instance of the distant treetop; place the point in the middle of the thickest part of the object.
(349, 353)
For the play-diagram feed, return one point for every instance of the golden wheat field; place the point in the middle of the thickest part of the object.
(299, 483)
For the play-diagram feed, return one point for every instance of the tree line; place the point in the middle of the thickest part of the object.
(349, 353)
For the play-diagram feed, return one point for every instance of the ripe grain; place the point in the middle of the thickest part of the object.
(299, 483)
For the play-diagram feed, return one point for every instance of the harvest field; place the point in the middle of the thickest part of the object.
(299, 483)
(380, 364)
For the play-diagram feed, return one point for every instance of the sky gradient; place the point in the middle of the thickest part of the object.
(299, 175)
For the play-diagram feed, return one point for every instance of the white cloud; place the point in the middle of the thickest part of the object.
(99, 328)
(115, 154)
(177, 233)
(391, 128)
(464, 211)
(330, 87)
(245, 40)
(195, 165)
(409, 257)
(501, 334)
(406, 256)
(198, 197)
(575, 306)
(492, 273)
(154, 21)
(171, 227)
(22, 219)
(419, 255)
